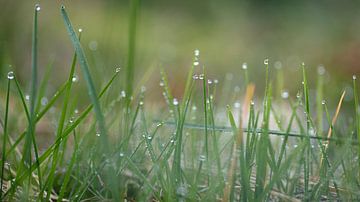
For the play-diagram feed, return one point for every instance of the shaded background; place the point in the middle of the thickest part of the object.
(227, 33)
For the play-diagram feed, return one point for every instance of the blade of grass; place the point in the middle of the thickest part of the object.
(5, 130)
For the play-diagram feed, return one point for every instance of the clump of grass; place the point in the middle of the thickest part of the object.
(190, 153)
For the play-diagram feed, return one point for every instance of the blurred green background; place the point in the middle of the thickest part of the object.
(228, 33)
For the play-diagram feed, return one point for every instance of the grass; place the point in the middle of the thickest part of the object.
(190, 152)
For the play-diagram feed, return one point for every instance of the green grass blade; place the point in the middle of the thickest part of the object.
(86, 72)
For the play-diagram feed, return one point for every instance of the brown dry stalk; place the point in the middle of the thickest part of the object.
(239, 137)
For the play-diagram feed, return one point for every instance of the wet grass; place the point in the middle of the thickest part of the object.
(262, 149)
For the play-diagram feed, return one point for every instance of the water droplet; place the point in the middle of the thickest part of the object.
(121, 154)
(11, 75)
(98, 134)
(76, 111)
(182, 191)
(209, 81)
(80, 30)
(172, 141)
(237, 104)
(201, 76)
(244, 65)
(196, 63)
(321, 70)
(27, 97)
(194, 108)
(285, 94)
(252, 103)
(175, 102)
(141, 103)
(159, 124)
(266, 61)
(278, 65)
(37, 7)
(303, 64)
(195, 77)
(216, 81)
(298, 95)
(93, 45)
(302, 82)
(161, 83)
(196, 52)
(117, 69)
(202, 158)
(74, 78)
(323, 102)
(44, 101)
(295, 146)
(71, 120)
(149, 137)
(354, 77)
(122, 94)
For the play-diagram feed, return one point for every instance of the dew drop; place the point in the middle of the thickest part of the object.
(76, 111)
(175, 102)
(278, 65)
(141, 103)
(237, 104)
(196, 52)
(37, 7)
(27, 97)
(117, 69)
(149, 137)
(295, 146)
(44, 101)
(195, 77)
(209, 81)
(216, 81)
(202, 158)
(321, 70)
(74, 78)
(80, 30)
(201, 76)
(98, 134)
(93, 45)
(196, 63)
(303, 64)
(266, 61)
(285, 94)
(122, 94)
(11, 75)
(121, 154)
(71, 120)
(244, 65)
(161, 83)
(194, 108)
(323, 102)
(159, 124)
(354, 77)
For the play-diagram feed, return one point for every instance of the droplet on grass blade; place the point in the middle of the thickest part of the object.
(98, 134)
(202, 158)
(244, 65)
(196, 63)
(80, 30)
(11, 75)
(117, 69)
(354, 77)
(321, 70)
(323, 102)
(196, 52)
(74, 78)
(285, 94)
(175, 102)
(266, 61)
(37, 7)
